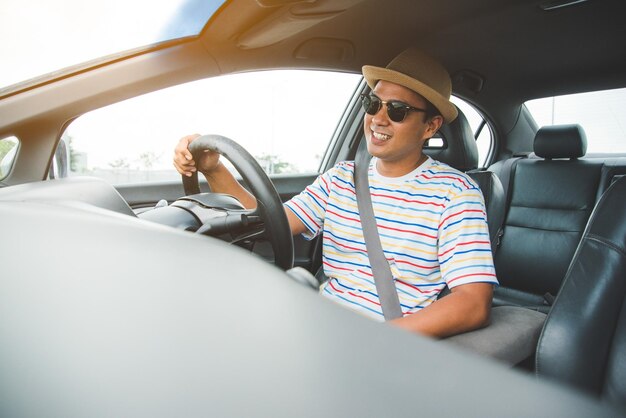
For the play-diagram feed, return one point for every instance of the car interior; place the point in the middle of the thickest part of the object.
(161, 298)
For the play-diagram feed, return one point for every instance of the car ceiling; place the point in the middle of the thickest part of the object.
(492, 48)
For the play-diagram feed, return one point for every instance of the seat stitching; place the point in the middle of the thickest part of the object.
(604, 241)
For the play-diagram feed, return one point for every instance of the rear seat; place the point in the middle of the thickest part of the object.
(550, 198)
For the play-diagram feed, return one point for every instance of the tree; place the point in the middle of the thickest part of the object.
(5, 147)
(120, 163)
(148, 159)
(273, 165)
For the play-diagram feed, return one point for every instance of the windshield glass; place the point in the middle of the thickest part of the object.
(48, 35)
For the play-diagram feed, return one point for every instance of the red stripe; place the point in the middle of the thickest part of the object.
(415, 265)
(365, 273)
(336, 267)
(470, 275)
(446, 177)
(305, 214)
(458, 213)
(416, 288)
(344, 188)
(341, 216)
(325, 184)
(330, 283)
(407, 200)
(407, 231)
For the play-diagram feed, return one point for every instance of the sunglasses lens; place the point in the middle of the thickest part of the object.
(371, 105)
(396, 111)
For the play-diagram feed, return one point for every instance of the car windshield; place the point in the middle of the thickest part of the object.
(49, 35)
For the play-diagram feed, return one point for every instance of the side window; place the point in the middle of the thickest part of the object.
(8, 151)
(285, 119)
(484, 140)
(600, 113)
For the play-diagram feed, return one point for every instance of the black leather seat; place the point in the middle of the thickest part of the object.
(551, 199)
(459, 150)
(583, 342)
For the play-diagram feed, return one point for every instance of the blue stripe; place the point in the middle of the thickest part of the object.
(342, 210)
(413, 257)
(351, 301)
(488, 250)
(304, 221)
(473, 235)
(344, 239)
(489, 266)
(466, 203)
(461, 220)
(345, 182)
(317, 201)
(337, 282)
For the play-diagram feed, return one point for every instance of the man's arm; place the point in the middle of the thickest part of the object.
(466, 308)
(220, 179)
(466, 262)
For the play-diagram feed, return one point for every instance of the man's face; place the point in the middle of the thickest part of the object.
(398, 145)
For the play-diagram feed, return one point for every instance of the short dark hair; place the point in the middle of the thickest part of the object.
(431, 111)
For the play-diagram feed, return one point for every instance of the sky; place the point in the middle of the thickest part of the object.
(47, 35)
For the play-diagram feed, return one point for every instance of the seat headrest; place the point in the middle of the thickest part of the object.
(459, 146)
(560, 141)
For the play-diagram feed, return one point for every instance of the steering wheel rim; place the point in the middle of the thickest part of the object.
(269, 206)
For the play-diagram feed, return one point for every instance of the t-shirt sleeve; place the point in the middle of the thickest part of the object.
(464, 247)
(310, 205)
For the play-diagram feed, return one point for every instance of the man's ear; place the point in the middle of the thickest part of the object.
(432, 126)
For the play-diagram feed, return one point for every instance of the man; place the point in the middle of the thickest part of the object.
(431, 218)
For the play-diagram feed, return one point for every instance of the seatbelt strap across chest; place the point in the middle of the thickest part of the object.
(383, 279)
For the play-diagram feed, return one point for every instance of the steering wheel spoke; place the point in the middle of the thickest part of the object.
(267, 221)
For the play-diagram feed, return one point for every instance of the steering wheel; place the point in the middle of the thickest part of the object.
(273, 224)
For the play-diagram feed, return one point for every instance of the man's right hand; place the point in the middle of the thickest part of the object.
(186, 165)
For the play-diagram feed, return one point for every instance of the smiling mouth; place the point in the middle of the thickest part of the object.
(380, 137)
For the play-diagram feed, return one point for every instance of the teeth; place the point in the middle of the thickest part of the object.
(381, 137)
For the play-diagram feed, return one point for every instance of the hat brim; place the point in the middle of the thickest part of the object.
(374, 74)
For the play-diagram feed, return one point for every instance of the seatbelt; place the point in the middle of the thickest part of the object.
(383, 279)
(507, 174)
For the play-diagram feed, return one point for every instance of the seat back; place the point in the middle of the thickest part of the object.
(583, 342)
(551, 199)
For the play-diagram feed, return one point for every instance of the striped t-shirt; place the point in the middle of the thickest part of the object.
(432, 226)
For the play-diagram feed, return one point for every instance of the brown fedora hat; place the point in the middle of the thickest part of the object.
(417, 71)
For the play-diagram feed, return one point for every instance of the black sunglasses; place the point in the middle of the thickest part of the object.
(396, 111)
